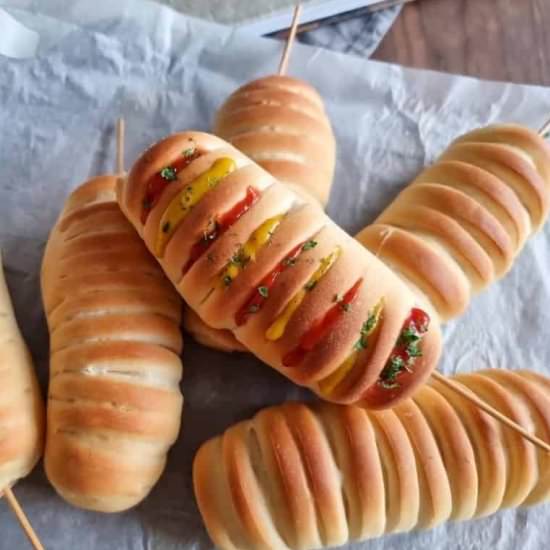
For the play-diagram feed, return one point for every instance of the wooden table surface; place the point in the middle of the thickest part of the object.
(493, 39)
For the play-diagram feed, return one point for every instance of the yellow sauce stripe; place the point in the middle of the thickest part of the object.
(249, 250)
(327, 385)
(184, 201)
(277, 329)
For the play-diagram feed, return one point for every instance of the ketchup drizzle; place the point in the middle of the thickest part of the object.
(221, 226)
(321, 327)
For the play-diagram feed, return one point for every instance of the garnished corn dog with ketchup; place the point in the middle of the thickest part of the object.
(250, 256)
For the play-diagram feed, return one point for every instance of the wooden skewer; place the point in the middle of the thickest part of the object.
(23, 520)
(120, 130)
(283, 65)
(545, 129)
(485, 407)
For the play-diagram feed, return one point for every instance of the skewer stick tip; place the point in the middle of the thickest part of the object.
(491, 411)
(120, 131)
(23, 520)
(544, 130)
(283, 65)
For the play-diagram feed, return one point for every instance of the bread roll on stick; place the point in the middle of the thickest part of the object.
(21, 405)
(280, 123)
(114, 402)
(252, 257)
(311, 476)
(462, 221)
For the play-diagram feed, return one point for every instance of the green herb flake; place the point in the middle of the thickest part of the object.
(168, 173)
(166, 227)
(309, 245)
(346, 307)
(289, 262)
(393, 367)
(189, 152)
(310, 285)
(227, 280)
(336, 298)
(263, 291)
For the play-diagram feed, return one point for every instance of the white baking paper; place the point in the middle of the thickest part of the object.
(164, 73)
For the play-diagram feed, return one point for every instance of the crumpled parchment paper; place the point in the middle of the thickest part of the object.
(164, 73)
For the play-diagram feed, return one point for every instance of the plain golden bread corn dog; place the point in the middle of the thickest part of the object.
(312, 476)
(250, 256)
(462, 221)
(21, 405)
(114, 404)
(280, 123)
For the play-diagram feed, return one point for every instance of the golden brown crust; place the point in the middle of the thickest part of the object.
(280, 123)
(21, 405)
(475, 207)
(114, 403)
(296, 223)
(312, 476)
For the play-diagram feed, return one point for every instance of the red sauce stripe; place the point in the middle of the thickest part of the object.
(256, 300)
(221, 226)
(321, 327)
(158, 182)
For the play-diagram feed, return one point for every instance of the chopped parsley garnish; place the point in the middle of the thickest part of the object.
(189, 152)
(239, 259)
(345, 307)
(310, 285)
(369, 324)
(414, 350)
(166, 227)
(309, 245)
(289, 261)
(394, 366)
(168, 173)
(366, 329)
(263, 291)
(227, 280)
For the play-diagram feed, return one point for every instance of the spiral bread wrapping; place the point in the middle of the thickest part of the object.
(280, 123)
(310, 476)
(462, 221)
(114, 403)
(21, 406)
(250, 256)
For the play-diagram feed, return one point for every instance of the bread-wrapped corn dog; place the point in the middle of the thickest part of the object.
(250, 256)
(461, 222)
(313, 476)
(114, 402)
(21, 405)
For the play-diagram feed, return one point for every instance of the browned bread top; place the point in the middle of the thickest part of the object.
(467, 217)
(114, 403)
(280, 123)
